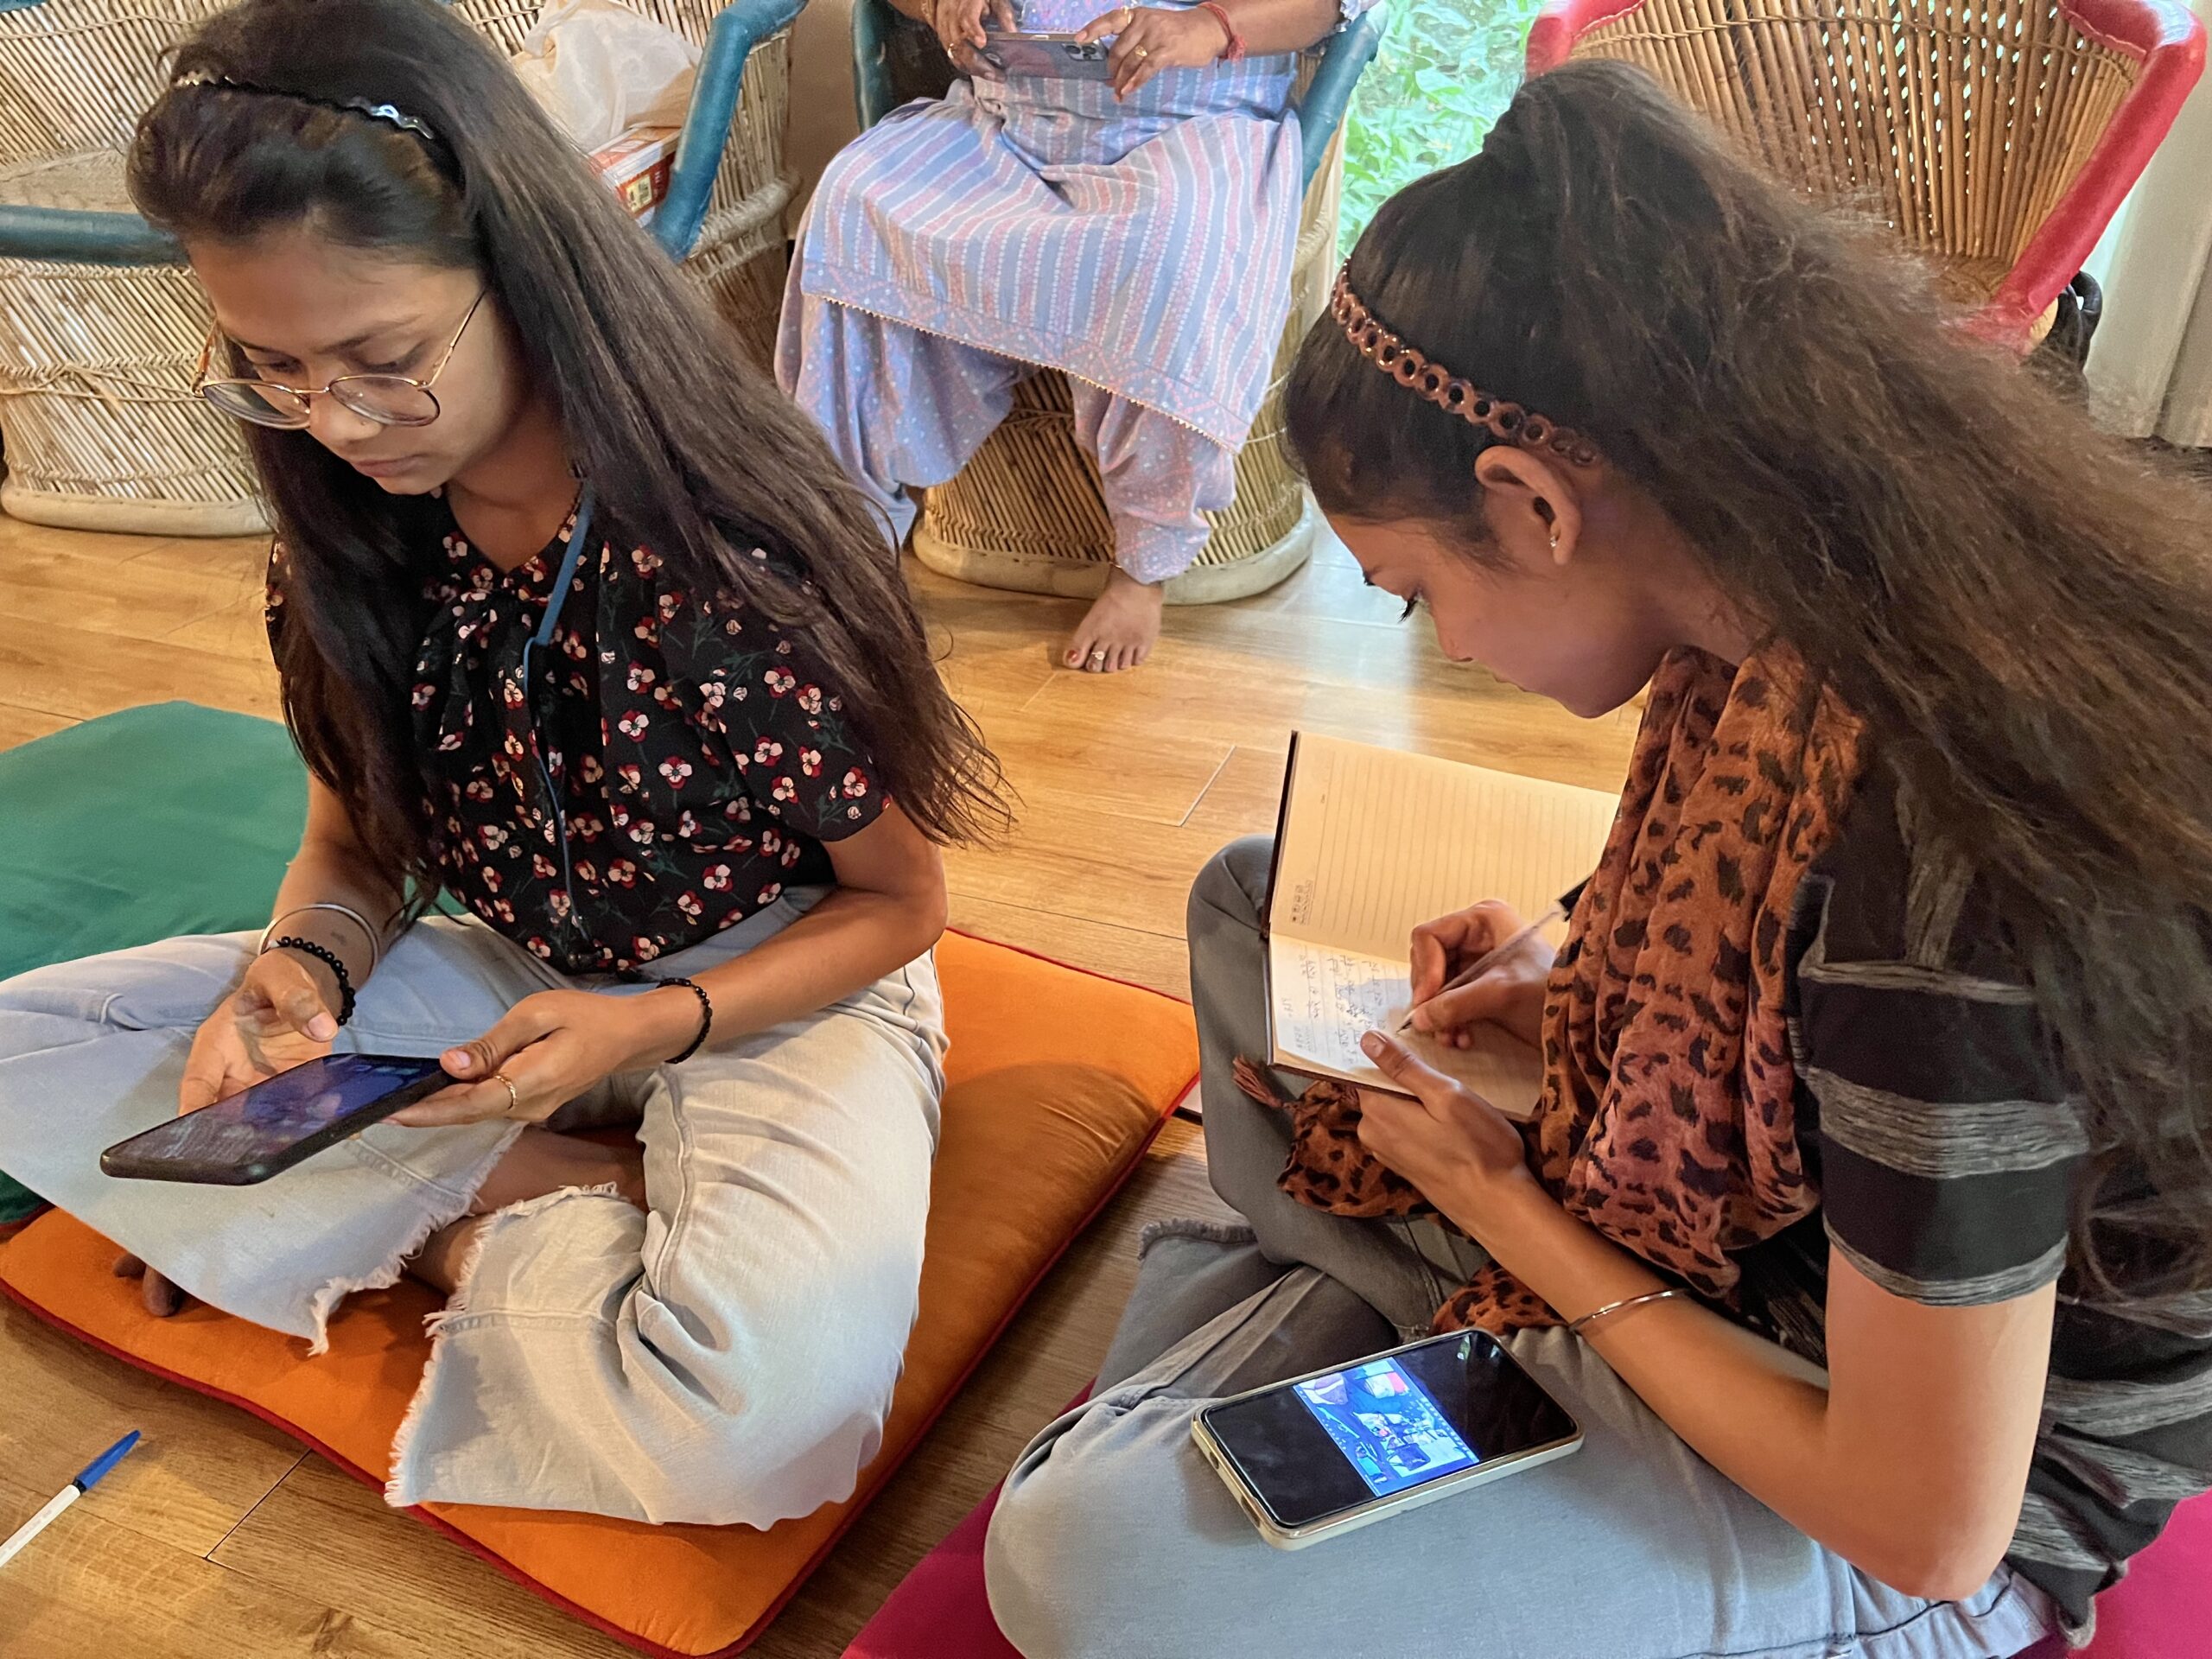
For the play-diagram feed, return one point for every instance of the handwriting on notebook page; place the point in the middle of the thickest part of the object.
(1326, 1000)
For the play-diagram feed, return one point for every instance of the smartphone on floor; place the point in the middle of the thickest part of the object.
(263, 1130)
(1323, 1454)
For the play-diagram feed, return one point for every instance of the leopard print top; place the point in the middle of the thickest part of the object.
(1667, 1117)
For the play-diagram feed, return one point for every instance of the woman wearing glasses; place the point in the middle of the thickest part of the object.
(578, 625)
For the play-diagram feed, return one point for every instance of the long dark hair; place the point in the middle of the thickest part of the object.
(2020, 607)
(690, 449)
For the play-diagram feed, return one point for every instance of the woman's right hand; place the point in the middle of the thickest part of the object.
(281, 1015)
(1510, 992)
(959, 25)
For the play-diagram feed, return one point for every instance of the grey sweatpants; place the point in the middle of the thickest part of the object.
(1114, 1540)
(727, 1354)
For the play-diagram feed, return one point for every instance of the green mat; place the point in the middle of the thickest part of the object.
(161, 820)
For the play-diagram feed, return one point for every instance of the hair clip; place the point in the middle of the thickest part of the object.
(390, 116)
(1411, 368)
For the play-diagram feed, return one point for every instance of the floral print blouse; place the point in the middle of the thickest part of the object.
(699, 755)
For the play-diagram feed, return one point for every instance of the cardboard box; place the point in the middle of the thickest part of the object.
(636, 167)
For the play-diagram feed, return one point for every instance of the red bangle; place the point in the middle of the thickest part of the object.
(1234, 49)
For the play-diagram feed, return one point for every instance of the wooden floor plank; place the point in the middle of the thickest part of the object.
(20, 725)
(325, 1536)
(1154, 960)
(1130, 774)
(90, 1587)
(201, 1467)
(82, 672)
(127, 600)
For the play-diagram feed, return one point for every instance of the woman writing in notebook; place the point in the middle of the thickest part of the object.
(578, 625)
(1864, 1223)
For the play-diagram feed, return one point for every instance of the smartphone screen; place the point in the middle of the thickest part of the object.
(252, 1134)
(1316, 1447)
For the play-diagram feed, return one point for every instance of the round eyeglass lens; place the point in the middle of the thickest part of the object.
(386, 399)
(251, 400)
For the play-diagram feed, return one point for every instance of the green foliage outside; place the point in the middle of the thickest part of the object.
(1446, 69)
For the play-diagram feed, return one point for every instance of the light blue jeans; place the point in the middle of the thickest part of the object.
(1112, 1539)
(726, 1355)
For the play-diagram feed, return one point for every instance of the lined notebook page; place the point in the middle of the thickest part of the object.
(1377, 841)
(1374, 841)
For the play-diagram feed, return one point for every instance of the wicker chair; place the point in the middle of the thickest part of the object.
(1996, 137)
(1027, 513)
(101, 325)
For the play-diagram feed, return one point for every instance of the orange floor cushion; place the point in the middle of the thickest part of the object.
(1058, 1080)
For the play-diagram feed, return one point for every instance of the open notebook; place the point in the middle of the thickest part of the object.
(1372, 842)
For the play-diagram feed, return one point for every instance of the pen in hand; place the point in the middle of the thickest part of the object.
(1489, 959)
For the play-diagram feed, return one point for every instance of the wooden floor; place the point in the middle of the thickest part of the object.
(220, 1538)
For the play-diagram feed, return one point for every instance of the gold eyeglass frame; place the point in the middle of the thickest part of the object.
(203, 382)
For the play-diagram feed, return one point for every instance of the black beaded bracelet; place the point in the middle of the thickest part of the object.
(706, 1016)
(329, 958)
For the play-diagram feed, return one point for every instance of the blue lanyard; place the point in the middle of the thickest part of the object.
(570, 558)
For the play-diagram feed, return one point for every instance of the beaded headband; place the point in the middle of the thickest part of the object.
(1508, 422)
(384, 112)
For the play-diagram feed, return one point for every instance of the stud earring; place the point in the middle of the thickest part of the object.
(1554, 539)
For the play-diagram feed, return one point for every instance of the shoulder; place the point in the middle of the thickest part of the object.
(1891, 896)
(1949, 1136)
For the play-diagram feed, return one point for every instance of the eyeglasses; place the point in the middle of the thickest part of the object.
(387, 399)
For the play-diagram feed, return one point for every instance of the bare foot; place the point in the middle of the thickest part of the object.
(539, 1161)
(1120, 629)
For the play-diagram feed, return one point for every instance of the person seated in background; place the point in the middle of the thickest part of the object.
(577, 623)
(1865, 1222)
(1138, 236)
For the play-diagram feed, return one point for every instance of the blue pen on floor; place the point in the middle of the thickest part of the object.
(61, 1500)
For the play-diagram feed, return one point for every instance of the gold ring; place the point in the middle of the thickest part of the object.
(1143, 52)
(514, 1098)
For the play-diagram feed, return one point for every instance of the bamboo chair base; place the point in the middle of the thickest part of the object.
(120, 515)
(1083, 578)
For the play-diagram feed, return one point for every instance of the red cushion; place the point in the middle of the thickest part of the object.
(940, 1609)
(2162, 1608)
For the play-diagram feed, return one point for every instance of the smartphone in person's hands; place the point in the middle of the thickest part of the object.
(1012, 54)
(265, 1129)
(1323, 1454)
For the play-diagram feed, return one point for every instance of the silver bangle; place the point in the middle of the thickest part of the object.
(1574, 1326)
(376, 941)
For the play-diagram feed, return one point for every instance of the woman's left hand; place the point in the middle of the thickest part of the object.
(1149, 39)
(1449, 1142)
(553, 1047)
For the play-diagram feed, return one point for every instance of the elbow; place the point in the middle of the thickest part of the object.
(932, 913)
(1946, 1565)
(1938, 1579)
(934, 922)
